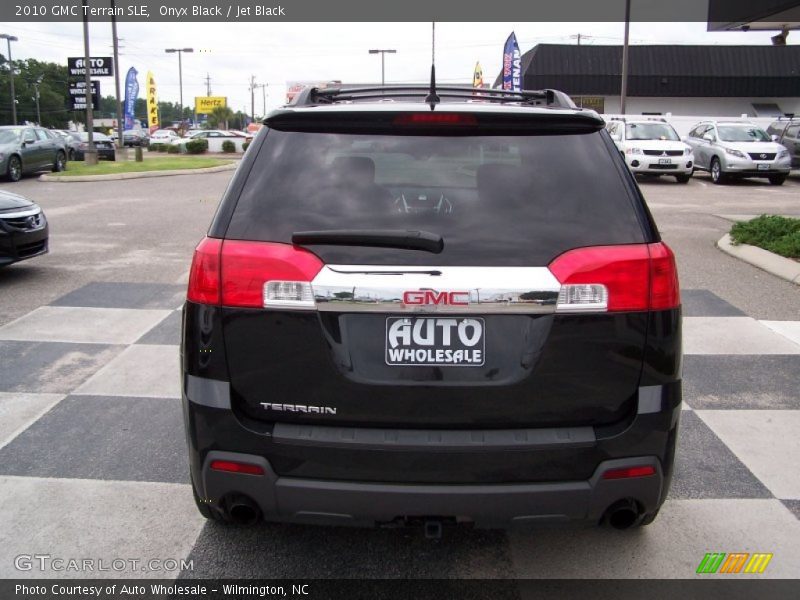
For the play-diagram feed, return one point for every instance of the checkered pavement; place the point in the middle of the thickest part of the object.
(93, 461)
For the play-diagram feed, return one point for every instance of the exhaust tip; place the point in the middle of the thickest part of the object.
(623, 514)
(242, 510)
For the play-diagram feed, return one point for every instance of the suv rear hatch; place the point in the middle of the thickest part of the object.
(449, 269)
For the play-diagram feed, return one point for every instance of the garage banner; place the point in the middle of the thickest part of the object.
(512, 65)
(131, 93)
(152, 103)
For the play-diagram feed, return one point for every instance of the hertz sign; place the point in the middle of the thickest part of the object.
(204, 105)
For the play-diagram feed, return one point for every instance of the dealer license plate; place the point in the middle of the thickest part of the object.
(435, 341)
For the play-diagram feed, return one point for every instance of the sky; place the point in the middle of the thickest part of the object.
(230, 53)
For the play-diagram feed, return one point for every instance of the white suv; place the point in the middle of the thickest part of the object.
(652, 147)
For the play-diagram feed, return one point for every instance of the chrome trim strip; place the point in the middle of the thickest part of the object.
(28, 212)
(490, 290)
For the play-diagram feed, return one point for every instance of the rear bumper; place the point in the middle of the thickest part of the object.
(489, 506)
(329, 475)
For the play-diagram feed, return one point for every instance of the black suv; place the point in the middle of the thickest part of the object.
(432, 306)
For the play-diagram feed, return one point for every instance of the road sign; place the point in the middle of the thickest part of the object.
(77, 95)
(99, 66)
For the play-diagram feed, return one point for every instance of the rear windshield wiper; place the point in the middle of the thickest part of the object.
(380, 238)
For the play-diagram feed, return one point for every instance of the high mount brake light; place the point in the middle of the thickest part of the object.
(434, 118)
(252, 274)
(617, 278)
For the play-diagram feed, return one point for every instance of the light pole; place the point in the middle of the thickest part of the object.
(383, 54)
(9, 39)
(623, 95)
(180, 51)
(90, 152)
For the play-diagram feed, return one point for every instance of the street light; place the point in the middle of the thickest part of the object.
(9, 39)
(383, 54)
(180, 51)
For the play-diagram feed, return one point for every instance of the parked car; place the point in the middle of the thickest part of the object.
(135, 137)
(652, 147)
(432, 311)
(164, 136)
(24, 231)
(731, 149)
(71, 143)
(786, 132)
(215, 138)
(104, 145)
(26, 149)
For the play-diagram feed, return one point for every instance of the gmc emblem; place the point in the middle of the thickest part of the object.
(423, 297)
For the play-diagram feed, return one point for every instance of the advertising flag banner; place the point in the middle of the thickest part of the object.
(152, 103)
(512, 65)
(131, 93)
(477, 76)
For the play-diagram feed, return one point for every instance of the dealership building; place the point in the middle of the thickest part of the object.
(759, 81)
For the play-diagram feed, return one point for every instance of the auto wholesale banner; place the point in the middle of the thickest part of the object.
(512, 65)
(152, 103)
(131, 93)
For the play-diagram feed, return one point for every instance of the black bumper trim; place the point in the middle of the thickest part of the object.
(487, 505)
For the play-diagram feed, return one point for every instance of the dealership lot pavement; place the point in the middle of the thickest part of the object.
(92, 457)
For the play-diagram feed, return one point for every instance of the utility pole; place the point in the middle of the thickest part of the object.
(383, 54)
(36, 97)
(208, 84)
(252, 97)
(624, 90)
(90, 152)
(120, 124)
(263, 87)
(9, 39)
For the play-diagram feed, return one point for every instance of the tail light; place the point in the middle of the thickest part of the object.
(231, 466)
(252, 274)
(629, 472)
(633, 277)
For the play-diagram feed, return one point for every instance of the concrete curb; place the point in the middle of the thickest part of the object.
(763, 259)
(137, 175)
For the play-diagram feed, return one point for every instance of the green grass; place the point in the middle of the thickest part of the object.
(166, 163)
(780, 235)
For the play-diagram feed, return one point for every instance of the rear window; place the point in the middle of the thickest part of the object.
(515, 200)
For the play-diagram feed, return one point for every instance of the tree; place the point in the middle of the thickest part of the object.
(53, 92)
(220, 116)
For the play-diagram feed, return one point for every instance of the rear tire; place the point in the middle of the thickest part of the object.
(777, 179)
(717, 175)
(14, 170)
(60, 163)
(683, 178)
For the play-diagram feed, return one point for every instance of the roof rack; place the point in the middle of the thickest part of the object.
(314, 96)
